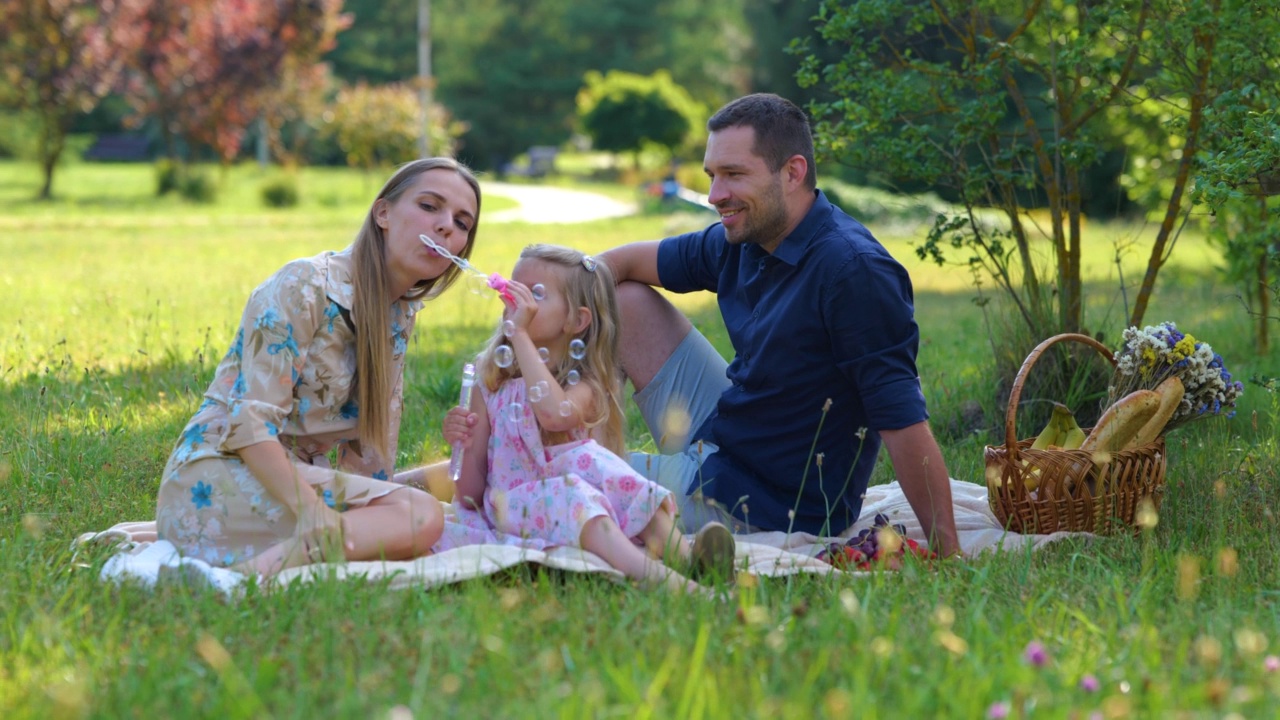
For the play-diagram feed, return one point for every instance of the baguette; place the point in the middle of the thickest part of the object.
(1170, 392)
(1122, 421)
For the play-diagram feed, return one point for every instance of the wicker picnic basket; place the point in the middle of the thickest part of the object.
(1078, 490)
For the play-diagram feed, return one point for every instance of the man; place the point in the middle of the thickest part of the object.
(821, 321)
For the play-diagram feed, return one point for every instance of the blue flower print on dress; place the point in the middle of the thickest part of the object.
(239, 387)
(287, 344)
(349, 410)
(237, 345)
(332, 502)
(332, 311)
(192, 436)
(400, 340)
(272, 428)
(304, 406)
(380, 475)
(267, 319)
(201, 495)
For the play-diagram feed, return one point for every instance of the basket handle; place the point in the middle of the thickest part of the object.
(1015, 393)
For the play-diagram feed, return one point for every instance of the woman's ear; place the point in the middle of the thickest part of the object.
(380, 207)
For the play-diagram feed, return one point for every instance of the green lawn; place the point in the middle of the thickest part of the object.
(120, 305)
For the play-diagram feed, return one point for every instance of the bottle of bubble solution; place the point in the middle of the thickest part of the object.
(464, 401)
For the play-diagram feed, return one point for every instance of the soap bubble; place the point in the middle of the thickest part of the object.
(539, 291)
(577, 349)
(544, 354)
(477, 284)
(503, 356)
(543, 387)
(566, 409)
(515, 412)
(508, 328)
(573, 377)
(535, 393)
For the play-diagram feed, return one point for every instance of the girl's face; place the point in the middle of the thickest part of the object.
(554, 325)
(440, 205)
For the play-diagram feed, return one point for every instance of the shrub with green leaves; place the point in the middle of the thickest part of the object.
(280, 191)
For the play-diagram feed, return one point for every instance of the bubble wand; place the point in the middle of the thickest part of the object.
(495, 281)
(464, 401)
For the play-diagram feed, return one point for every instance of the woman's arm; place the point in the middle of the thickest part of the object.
(317, 523)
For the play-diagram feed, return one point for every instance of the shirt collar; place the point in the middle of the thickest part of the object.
(340, 288)
(793, 247)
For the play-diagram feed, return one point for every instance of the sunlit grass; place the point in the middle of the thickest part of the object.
(119, 307)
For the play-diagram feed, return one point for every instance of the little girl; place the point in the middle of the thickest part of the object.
(550, 416)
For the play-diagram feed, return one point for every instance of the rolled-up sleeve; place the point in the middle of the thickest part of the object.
(875, 339)
(276, 329)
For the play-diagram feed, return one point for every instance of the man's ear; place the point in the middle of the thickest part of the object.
(581, 321)
(380, 207)
(796, 168)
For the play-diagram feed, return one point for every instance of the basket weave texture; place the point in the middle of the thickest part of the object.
(1078, 491)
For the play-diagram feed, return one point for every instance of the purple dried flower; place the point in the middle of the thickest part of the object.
(1089, 683)
(1036, 654)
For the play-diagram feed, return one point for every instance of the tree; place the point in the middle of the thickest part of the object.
(511, 69)
(1011, 104)
(623, 111)
(60, 57)
(205, 64)
(379, 124)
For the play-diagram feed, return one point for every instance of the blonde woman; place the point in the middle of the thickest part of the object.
(317, 365)
(550, 416)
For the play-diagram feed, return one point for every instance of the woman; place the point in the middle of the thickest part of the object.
(318, 365)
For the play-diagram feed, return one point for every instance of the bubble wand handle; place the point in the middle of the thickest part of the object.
(464, 401)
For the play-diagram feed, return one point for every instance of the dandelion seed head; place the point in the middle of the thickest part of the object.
(1250, 642)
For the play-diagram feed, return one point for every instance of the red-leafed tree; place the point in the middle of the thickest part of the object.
(59, 57)
(205, 65)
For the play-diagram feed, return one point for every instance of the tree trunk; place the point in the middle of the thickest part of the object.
(1263, 300)
(1205, 42)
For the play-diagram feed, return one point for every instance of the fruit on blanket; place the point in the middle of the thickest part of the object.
(1170, 392)
(1121, 422)
(874, 547)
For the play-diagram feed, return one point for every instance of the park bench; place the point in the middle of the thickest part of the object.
(119, 147)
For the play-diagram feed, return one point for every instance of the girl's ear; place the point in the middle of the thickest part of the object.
(581, 321)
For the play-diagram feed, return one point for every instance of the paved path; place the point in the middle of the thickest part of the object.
(542, 204)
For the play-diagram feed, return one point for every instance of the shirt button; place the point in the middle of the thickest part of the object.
(755, 315)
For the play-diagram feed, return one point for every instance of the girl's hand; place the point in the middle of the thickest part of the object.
(321, 533)
(522, 307)
(457, 426)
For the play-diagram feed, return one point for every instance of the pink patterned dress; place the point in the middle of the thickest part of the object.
(542, 496)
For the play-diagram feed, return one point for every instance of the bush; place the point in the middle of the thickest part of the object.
(197, 186)
(280, 191)
(167, 172)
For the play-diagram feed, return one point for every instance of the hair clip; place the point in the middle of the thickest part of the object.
(589, 263)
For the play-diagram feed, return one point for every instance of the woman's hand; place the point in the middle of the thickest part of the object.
(322, 533)
(457, 426)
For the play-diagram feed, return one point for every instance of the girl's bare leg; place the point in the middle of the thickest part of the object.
(662, 539)
(400, 525)
(602, 536)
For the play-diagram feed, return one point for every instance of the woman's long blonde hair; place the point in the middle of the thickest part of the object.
(370, 314)
(587, 283)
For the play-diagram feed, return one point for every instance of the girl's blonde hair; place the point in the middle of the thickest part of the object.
(370, 312)
(587, 283)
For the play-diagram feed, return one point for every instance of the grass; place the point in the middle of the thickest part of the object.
(119, 306)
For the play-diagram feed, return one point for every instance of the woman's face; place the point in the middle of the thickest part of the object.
(439, 204)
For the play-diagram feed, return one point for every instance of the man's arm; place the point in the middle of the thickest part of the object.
(926, 483)
(637, 261)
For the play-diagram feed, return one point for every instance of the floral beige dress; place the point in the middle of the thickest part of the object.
(288, 377)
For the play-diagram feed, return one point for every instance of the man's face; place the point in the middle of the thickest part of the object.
(746, 193)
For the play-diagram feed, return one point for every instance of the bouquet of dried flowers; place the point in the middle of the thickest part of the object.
(1156, 352)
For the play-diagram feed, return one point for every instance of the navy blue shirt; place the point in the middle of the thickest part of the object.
(827, 316)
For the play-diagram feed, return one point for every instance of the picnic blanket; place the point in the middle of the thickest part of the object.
(144, 558)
